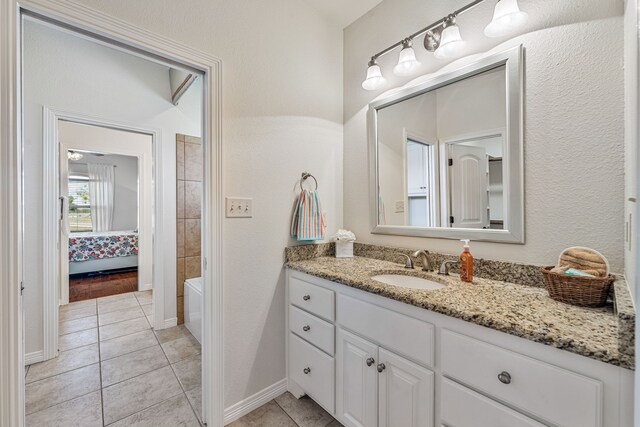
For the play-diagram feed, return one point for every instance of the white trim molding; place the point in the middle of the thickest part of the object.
(11, 342)
(170, 323)
(117, 32)
(34, 357)
(255, 401)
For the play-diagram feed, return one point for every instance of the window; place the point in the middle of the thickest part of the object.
(79, 207)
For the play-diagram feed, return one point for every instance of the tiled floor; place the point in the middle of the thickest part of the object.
(287, 411)
(113, 369)
(97, 286)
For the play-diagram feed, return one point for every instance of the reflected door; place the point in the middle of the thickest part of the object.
(469, 172)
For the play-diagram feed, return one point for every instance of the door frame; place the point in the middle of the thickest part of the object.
(55, 269)
(120, 33)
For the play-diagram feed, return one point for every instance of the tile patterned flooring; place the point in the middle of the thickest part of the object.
(287, 411)
(113, 369)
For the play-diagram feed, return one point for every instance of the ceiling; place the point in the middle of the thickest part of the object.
(343, 12)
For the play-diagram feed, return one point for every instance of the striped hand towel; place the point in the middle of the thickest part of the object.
(307, 222)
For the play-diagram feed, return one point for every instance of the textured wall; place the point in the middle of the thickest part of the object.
(573, 114)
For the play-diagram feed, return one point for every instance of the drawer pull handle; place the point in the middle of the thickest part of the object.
(306, 297)
(306, 328)
(370, 361)
(381, 367)
(307, 371)
(504, 377)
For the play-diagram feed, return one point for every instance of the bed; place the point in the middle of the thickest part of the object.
(90, 252)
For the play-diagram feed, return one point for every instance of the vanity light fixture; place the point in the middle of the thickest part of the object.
(374, 79)
(444, 40)
(74, 155)
(407, 62)
(507, 17)
(451, 42)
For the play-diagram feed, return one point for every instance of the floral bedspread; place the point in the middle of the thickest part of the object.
(89, 246)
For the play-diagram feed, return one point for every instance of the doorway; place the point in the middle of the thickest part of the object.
(212, 221)
(106, 193)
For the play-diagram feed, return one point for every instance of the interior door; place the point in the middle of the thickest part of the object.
(405, 394)
(469, 185)
(357, 397)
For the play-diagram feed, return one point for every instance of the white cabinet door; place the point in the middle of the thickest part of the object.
(405, 393)
(416, 168)
(357, 397)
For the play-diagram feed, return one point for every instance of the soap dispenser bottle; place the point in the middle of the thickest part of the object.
(466, 263)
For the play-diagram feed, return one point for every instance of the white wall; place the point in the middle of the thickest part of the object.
(125, 193)
(282, 114)
(75, 75)
(573, 128)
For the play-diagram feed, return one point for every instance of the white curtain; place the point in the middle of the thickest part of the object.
(101, 192)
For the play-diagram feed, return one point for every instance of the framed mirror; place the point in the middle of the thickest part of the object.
(446, 155)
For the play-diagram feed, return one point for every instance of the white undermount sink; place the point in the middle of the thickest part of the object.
(408, 281)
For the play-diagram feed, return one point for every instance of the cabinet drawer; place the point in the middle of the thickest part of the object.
(312, 298)
(553, 394)
(312, 370)
(401, 334)
(461, 407)
(312, 329)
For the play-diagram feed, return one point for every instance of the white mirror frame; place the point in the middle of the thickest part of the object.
(513, 170)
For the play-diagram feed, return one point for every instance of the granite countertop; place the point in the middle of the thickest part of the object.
(604, 334)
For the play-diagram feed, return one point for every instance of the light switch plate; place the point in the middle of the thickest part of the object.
(239, 207)
(399, 206)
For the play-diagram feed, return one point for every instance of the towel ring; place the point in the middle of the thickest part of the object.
(306, 175)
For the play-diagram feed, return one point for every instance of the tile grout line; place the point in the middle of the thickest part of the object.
(285, 411)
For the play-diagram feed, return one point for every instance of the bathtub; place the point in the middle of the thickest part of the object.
(193, 306)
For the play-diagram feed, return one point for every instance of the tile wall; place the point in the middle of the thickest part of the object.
(189, 207)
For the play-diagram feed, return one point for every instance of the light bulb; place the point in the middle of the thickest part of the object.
(507, 18)
(407, 62)
(374, 78)
(451, 42)
(74, 155)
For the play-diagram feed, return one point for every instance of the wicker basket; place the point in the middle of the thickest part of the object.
(577, 290)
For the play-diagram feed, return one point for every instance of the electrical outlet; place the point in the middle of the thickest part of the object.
(399, 206)
(239, 207)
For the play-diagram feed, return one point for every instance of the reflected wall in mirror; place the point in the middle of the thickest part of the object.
(448, 155)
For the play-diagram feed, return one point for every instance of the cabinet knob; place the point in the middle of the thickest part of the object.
(370, 361)
(381, 367)
(306, 328)
(307, 371)
(306, 297)
(504, 377)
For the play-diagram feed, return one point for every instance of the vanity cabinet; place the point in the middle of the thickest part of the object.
(371, 361)
(377, 387)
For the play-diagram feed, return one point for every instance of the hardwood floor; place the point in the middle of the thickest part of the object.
(90, 287)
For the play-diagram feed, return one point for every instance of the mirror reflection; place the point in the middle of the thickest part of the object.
(440, 156)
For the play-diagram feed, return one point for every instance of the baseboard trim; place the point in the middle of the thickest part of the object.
(35, 357)
(247, 405)
(146, 287)
(170, 323)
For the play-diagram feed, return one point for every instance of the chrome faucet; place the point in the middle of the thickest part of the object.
(409, 263)
(444, 267)
(426, 262)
